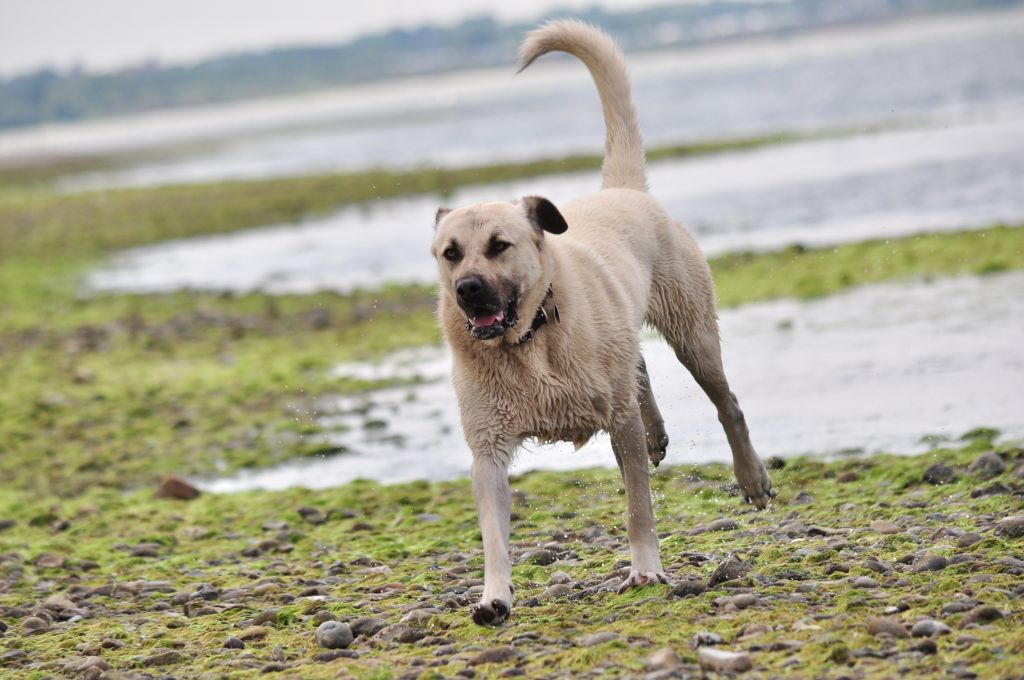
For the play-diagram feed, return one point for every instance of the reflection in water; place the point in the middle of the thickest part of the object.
(877, 367)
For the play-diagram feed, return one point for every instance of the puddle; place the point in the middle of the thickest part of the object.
(816, 193)
(875, 368)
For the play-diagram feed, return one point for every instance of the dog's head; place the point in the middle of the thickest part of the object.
(490, 257)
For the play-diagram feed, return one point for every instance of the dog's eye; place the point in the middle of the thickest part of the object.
(496, 247)
(451, 254)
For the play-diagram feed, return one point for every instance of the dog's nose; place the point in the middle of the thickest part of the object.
(469, 287)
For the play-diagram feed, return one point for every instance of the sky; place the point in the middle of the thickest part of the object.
(107, 34)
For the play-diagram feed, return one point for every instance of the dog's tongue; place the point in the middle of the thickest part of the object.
(485, 320)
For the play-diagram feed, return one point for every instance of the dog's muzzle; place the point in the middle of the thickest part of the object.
(488, 315)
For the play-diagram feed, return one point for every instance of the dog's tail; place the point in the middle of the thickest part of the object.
(624, 161)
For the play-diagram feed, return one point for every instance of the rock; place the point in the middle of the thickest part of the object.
(494, 655)
(50, 561)
(865, 582)
(6, 524)
(327, 657)
(886, 626)
(274, 667)
(598, 638)
(968, 539)
(988, 465)
(884, 526)
(323, 615)
(559, 577)
(367, 626)
(753, 630)
(541, 556)
(927, 646)
(253, 633)
(400, 632)
(939, 474)
(172, 486)
(164, 657)
(741, 601)
(982, 614)
(555, 591)
(58, 603)
(1011, 527)
(33, 625)
(707, 639)
(664, 659)
(233, 643)
(420, 617)
(721, 661)
(83, 666)
(730, 569)
(876, 565)
(687, 589)
(929, 628)
(847, 476)
(958, 607)
(312, 515)
(266, 616)
(334, 635)
(929, 562)
(720, 524)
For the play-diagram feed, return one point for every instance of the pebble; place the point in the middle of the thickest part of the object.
(687, 589)
(1011, 527)
(967, 539)
(876, 565)
(598, 639)
(367, 626)
(730, 569)
(234, 643)
(847, 476)
(334, 635)
(400, 632)
(494, 655)
(664, 659)
(33, 625)
(929, 562)
(164, 657)
(83, 666)
(720, 524)
(958, 607)
(865, 582)
(541, 556)
(938, 474)
(741, 601)
(988, 465)
(172, 486)
(559, 577)
(555, 591)
(884, 526)
(323, 615)
(707, 639)
(930, 628)
(6, 524)
(721, 661)
(886, 626)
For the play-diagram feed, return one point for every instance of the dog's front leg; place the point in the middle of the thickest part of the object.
(493, 505)
(629, 443)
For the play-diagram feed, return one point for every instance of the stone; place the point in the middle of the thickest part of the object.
(885, 626)
(968, 539)
(1011, 527)
(85, 665)
(555, 591)
(164, 657)
(865, 582)
(400, 632)
(233, 643)
(982, 614)
(720, 524)
(687, 589)
(6, 524)
(929, 628)
(367, 626)
(253, 633)
(707, 639)
(33, 625)
(172, 486)
(939, 474)
(323, 615)
(541, 556)
(494, 655)
(559, 577)
(929, 562)
(334, 635)
(664, 659)
(884, 526)
(988, 465)
(876, 565)
(847, 476)
(595, 639)
(730, 569)
(722, 661)
(958, 607)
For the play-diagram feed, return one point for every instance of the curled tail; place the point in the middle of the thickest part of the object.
(624, 161)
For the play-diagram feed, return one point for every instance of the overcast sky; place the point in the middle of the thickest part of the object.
(105, 34)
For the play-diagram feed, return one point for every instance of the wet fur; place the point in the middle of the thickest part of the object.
(621, 263)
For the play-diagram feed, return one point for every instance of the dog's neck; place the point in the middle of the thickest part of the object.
(547, 312)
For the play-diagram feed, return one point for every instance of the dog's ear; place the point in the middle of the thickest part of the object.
(544, 214)
(439, 215)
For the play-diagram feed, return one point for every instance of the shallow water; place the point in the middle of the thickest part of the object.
(876, 368)
(823, 192)
(943, 70)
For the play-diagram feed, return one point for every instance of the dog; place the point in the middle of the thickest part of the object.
(542, 307)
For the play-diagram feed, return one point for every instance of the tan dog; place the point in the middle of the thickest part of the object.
(543, 308)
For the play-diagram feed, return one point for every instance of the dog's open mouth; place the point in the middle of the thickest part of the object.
(487, 321)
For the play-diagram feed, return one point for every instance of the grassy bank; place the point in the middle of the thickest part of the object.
(159, 587)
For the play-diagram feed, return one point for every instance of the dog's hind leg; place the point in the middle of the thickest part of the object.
(701, 353)
(629, 445)
(493, 505)
(654, 424)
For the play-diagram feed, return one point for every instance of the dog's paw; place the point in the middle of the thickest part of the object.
(755, 484)
(642, 578)
(493, 613)
(657, 445)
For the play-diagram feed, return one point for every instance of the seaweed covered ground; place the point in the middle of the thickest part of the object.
(863, 568)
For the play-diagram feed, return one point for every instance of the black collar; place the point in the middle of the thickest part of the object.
(540, 318)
